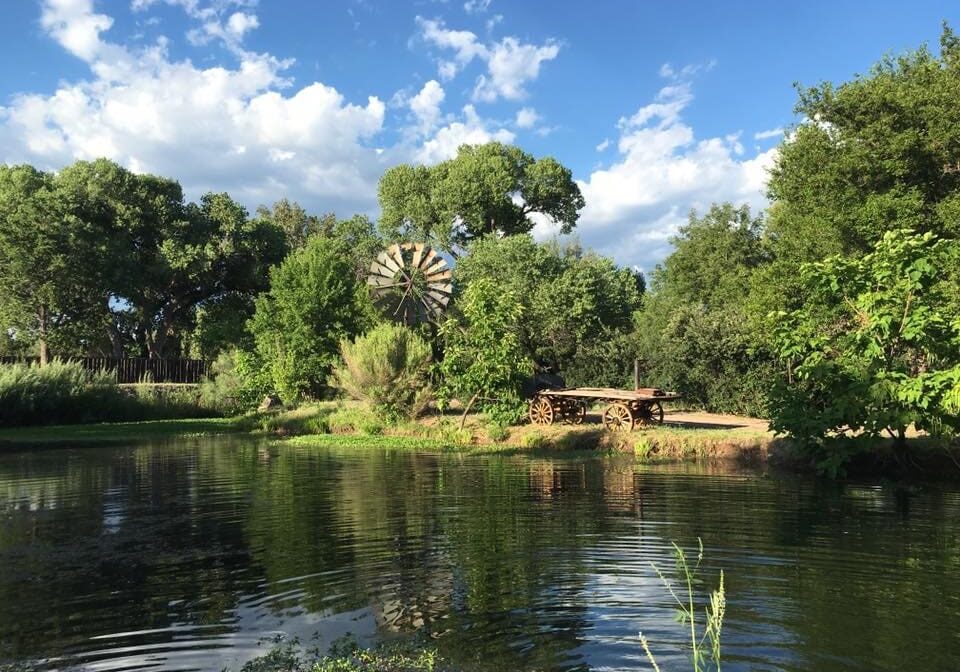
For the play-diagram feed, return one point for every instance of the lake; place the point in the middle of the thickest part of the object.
(191, 554)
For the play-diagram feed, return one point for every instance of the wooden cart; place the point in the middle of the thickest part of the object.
(625, 409)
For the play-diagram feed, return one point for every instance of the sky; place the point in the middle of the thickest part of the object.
(658, 108)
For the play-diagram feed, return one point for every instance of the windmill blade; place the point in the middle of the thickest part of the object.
(417, 255)
(394, 253)
(442, 275)
(437, 268)
(388, 261)
(381, 282)
(430, 257)
(444, 287)
(378, 269)
(442, 299)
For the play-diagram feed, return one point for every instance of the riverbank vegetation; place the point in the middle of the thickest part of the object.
(835, 313)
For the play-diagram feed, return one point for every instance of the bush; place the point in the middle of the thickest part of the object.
(389, 368)
(234, 384)
(63, 393)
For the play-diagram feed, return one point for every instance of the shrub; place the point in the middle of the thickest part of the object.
(235, 383)
(65, 393)
(389, 368)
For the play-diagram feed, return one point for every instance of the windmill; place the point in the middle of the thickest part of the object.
(411, 283)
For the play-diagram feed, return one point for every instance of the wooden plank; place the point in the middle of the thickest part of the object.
(385, 259)
(417, 255)
(610, 393)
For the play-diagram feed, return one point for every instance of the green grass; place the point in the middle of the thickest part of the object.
(118, 432)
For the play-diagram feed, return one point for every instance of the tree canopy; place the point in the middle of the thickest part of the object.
(485, 189)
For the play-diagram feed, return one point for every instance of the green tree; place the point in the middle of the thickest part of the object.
(697, 332)
(45, 283)
(876, 349)
(297, 225)
(875, 154)
(485, 189)
(313, 303)
(569, 297)
(484, 363)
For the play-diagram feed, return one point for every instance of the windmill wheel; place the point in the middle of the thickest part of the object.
(411, 282)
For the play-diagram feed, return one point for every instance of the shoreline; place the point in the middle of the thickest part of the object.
(685, 437)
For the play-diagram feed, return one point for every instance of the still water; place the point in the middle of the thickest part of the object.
(188, 554)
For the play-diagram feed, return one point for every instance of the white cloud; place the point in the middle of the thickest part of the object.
(426, 104)
(603, 145)
(527, 117)
(511, 64)
(240, 129)
(765, 135)
(471, 131)
(662, 171)
(476, 6)
(75, 26)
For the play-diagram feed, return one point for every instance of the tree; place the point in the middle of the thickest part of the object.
(45, 255)
(485, 189)
(876, 154)
(313, 303)
(484, 363)
(876, 349)
(697, 332)
(568, 297)
(297, 225)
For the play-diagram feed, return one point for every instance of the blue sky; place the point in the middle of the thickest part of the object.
(656, 107)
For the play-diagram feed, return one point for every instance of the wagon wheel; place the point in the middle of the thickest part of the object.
(541, 411)
(411, 283)
(617, 416)
(650, 414)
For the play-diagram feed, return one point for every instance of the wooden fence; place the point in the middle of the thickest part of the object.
(135, 370)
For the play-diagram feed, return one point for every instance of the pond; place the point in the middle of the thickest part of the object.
(190, 554)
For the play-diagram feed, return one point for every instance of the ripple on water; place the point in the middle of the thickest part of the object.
(194, 554)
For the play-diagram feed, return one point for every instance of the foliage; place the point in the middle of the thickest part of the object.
(570, 300)
(345, 656)
(226, 388)
(42, 288)
(877, 153)
(475, 193)
(484, 363)
(388, 367)
(877, 346)
(314, 302)
(65, 393)
(695, 333)
(706, 645)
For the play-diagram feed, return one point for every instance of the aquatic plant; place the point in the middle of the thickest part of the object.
(705, 645)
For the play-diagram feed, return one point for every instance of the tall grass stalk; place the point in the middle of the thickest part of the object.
(707, 643)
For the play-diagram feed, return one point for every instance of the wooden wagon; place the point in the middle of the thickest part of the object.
(625, 409)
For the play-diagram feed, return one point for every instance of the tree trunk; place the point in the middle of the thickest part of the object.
(42, 338)
(466, 411)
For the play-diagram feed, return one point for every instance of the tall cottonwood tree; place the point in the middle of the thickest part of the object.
(491, 188)
(45, 282)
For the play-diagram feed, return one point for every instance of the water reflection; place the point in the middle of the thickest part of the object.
(187, 555)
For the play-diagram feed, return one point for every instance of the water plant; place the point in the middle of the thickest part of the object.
(705, 645)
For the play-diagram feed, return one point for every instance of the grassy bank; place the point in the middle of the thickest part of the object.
(117, 432)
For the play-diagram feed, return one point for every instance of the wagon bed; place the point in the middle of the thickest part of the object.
(625, 409)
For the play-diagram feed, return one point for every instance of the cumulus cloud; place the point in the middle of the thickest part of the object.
(426, 104)
(662, 171)
(766, 135)
(527, 117)
(476, 6)
(511, 64)
(472, 130)
(242, 129)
